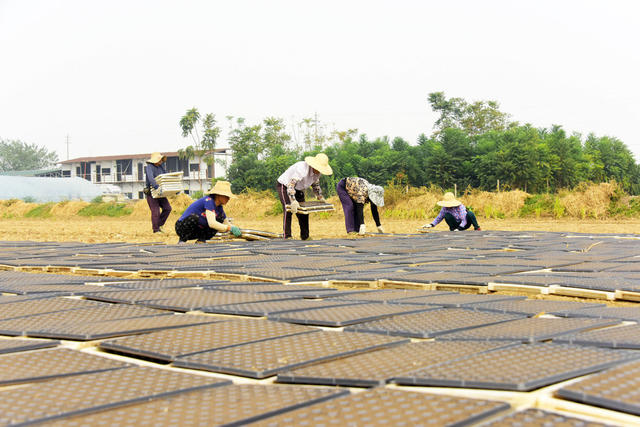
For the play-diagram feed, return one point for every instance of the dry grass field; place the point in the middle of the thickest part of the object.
(582, 210)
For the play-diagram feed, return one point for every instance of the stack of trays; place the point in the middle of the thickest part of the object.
(259, 235)
(169, 183)
(316, 206)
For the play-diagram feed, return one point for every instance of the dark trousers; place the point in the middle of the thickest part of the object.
(303, 220)
(454, 224)
(350, 221)
(190, 228)
(157, 218)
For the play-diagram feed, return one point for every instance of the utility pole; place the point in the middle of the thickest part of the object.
(67, 146)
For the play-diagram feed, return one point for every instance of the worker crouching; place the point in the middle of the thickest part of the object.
(456, 215)
(205, 217)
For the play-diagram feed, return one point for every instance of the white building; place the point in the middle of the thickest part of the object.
(127, 171)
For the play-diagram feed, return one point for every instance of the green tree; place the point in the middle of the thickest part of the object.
(474, 118)
(518, 157)
(16, 155)
(450, 159)
(485, 162)
(204, 140)
(261, 139)
(260, 154)
(609, 158)
(563, 157)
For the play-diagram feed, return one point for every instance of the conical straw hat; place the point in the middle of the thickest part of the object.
(222, 188)
(156, 157)
(449, 201)
(319, 162)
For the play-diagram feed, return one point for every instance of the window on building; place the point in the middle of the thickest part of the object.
(123, 168)
(176, 164)
(106, 171)
(85, 170)
(140, 195)
(66, 174)
(194, 167)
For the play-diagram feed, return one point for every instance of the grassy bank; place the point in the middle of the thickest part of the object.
(594, 201)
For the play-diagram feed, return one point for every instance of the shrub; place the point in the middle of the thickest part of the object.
(40, 211)
(106, 209)
(558, 208)
(537, 205)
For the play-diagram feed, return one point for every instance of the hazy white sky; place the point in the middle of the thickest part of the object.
(116, 76)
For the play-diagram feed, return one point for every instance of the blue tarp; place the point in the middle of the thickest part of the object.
(47, 189)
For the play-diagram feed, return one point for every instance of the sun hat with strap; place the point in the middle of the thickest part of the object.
(222, 188)
(319, 162)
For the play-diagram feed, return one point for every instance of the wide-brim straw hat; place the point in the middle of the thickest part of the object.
(319, 162)
(449, 201)
(157, 157)
(222, 188)
(376, 194)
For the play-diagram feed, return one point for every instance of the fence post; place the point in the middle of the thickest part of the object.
(455, 190)
(498, 186)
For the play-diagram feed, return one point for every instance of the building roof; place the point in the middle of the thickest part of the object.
(128, 156)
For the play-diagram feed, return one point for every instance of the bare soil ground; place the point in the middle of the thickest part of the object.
(138, 229)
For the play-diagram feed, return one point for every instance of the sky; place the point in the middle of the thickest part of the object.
(114, 77)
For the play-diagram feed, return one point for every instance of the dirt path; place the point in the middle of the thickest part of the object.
(128, 229)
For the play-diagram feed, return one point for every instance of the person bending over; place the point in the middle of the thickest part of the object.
(205, 217)
(456, 215)
(291, 185)
(354, 192)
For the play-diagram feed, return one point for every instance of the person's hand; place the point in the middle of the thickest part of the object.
(363, 229)
(427, 226)
(322, 199)
(235, 230)
(380, 229)
(159, 193)
(294, 206)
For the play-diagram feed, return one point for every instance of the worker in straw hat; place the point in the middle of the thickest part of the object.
(205, 217)
(354, 192)
(457, 216)
(291, 185)
(154, 168)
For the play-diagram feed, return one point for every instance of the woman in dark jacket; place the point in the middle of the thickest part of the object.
(152, 170)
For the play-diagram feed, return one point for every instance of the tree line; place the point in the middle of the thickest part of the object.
(16, 155)
(473, 145)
